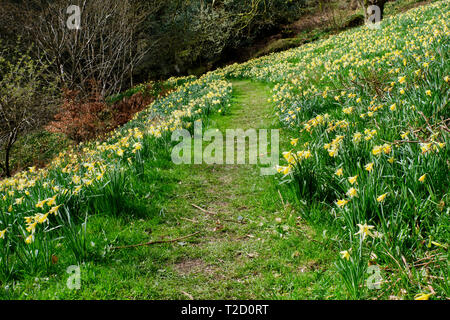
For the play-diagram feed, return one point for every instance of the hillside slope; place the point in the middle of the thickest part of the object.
(359, 208)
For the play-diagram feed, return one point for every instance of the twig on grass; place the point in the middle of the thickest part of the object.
(156, 242)
(203, 210)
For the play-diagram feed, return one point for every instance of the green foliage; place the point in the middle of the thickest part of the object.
(191, 33)
(27, 93)
(372, 133)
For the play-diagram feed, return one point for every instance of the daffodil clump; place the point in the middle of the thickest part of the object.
(35, 205)
(370, 114)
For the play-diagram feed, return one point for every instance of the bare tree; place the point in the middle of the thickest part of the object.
(27, 93)
(105, 48)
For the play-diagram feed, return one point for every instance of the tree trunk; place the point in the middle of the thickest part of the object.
(7, 158)
(8, 148)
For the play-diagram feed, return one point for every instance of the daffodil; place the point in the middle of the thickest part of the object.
(286, 170)
(387, 148)
(40, 204)
(41, 218)
(364, 230)
(137, 146)
(382, 197)
(341, 203)
(369, 166)
(288, 156)
(76, 179)
(29, 239)
(51, 201)
(377, 150)
(352, 180)
(348, 110)
(339, 172)
(422, 296)
(422, 178)
(2, 234)
(294, 142)
(352, 192)
(345, 254)
(54, 210)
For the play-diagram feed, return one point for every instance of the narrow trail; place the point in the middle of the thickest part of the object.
(247, 247)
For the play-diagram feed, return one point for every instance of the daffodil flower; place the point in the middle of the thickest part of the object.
(369, 166)
(352, 180)
(352, 192)
(294, 142)
(364, 230)
(382, 197)
(345, 254)
(422, 178)
(341, 203)
(422, 296)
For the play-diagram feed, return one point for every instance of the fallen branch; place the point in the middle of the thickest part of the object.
(156, 242)
(203, 210)
(190, 220)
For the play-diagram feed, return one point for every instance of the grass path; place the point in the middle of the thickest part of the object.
(243, 251)
(254, 247)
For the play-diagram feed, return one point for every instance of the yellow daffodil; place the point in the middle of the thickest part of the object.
(382, 197)
(54, 210)
(342, 203)
(377, 150)
(352, 192)
(352, 180)
(29, 239)
(345, 254)
(422, 178)
(364, 230)
(369, 166)
(422, 296)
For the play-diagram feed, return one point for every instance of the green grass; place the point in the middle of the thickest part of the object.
(242, 252)
(270, 238)
(360, 113)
